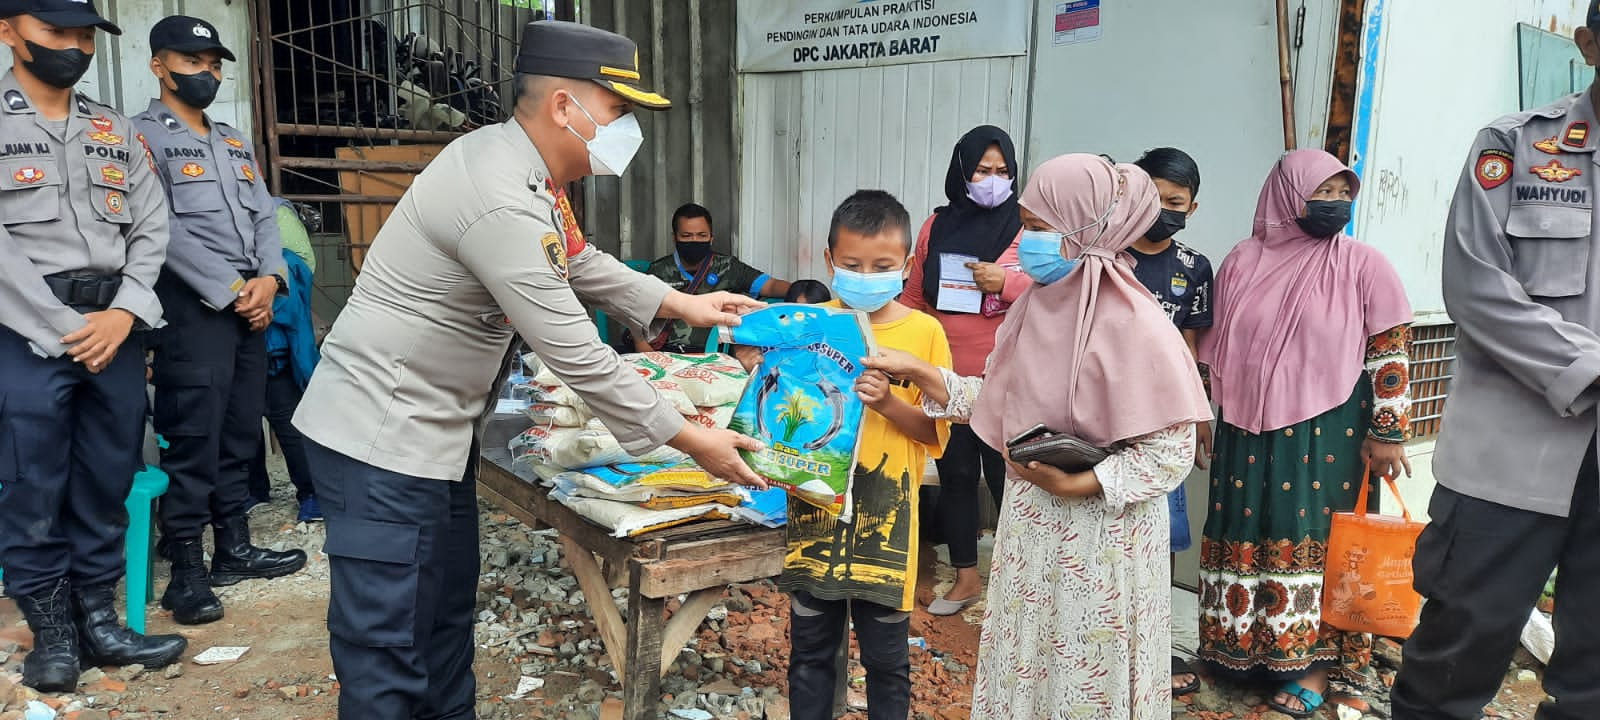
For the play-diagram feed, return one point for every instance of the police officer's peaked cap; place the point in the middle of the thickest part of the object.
(60, 13)
(181, 33)
(572, 50)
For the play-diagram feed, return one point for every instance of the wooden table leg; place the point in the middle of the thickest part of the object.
(641, 682)
(598, 595)
(680, 628)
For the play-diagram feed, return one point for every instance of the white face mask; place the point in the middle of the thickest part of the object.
(614, 145)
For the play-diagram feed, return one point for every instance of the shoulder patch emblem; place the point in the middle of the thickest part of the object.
(249, 172)
(555, 251)
(113, 175)
(1555, 172)
(106, 138)
(83, 105)
(233, 142)
(169, 121)
(114, 202)
(101, 123)
(1548, 145)
(1577, 134)
(28, 175)
(1493, 168)
(15, 100)
(193, 170)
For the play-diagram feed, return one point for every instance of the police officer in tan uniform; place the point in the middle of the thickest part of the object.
(1519, 491)
(83, 230)
(224, 267)
(478, 250)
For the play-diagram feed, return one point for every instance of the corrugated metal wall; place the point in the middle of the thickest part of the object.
(121, 74)
(690, 152)
(812, 138)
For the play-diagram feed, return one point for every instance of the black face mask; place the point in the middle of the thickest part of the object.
(196, 90)
(1170, 222)
(1325, 218)
(57, 68)
(692, 253)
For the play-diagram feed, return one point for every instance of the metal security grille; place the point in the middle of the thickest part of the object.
(357, 95)
(1433, 354)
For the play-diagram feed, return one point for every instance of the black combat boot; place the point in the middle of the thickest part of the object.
(236, 559)
(104, 640)
(189, 595)
(52, 666)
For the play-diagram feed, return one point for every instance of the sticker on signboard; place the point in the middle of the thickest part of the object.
(1077, 21)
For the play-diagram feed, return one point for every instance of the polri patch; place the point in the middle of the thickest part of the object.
(28, 175)
(1555, 172)
(555, 250)
(114, 202)
(113, 175)
(193, 170)
(1548, 145)
(1493, 168)
(1577, 134)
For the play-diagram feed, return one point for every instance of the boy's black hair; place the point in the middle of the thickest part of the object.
(870, 212)
(808, 291)
(1174, 166)
(691, 210)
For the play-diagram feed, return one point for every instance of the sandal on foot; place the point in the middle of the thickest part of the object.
(944, 607)
(1309, 699)
(1181, 667)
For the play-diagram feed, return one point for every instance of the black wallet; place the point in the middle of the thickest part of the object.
(1059, 450)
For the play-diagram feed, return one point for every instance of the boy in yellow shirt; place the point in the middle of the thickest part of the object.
(865, 568)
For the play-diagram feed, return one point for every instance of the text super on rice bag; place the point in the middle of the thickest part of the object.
(801, 401)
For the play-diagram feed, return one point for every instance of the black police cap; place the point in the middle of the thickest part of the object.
(572, 50)
(181, 33)
(60, 13)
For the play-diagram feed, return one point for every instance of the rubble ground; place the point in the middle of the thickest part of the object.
(533, 623)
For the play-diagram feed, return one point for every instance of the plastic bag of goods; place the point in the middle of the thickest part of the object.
(625, 520)
(574, 448)
(801, 401)
(767, 508)
(650, 497)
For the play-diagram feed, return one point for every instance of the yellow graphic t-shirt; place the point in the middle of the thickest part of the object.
(873, 556)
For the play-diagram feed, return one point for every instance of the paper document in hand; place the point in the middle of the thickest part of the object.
(958, 291)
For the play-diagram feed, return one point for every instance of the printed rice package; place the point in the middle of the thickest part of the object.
(685, 477)
(767, 508)
(625, 520)
(645, 496)
(575, 448)
(689, 382)
(801, 401)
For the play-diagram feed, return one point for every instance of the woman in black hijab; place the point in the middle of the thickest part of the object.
(977, 231)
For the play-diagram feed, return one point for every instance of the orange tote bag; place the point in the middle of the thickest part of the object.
(1366, 585)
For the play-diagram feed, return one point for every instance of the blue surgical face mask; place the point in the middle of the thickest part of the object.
(1040, 255)
(867, 291)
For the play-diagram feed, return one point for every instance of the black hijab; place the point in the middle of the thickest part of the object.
(964, 227)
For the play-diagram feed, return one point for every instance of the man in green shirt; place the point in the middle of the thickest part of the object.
(695, 269)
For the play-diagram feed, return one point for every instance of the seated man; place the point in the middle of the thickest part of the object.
(694, 269)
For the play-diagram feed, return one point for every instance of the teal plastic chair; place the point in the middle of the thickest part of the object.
(601, 322)
(148, 484)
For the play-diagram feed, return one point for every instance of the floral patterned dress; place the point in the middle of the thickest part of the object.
(1079, 619)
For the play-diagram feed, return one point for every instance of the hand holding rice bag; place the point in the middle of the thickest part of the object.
(799, 403)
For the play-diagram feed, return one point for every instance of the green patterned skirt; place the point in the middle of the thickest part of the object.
(1272, 500)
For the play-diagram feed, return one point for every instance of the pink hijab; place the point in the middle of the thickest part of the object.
(1293, 313)
(1092, 354)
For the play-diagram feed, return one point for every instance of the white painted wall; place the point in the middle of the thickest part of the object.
(810, 139)
(121, 74)
(1440, 77)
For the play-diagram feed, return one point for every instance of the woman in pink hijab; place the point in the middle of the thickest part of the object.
(1309, 371)
(1078, 619)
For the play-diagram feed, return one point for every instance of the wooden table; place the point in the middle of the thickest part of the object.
(697, 560)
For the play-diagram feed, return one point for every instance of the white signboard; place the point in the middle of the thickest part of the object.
(794, 35)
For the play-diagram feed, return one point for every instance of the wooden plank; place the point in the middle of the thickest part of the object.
(641, 683)
(680, 628)
(514, 510)
(601, 607)
(675, 577)
(752, 540)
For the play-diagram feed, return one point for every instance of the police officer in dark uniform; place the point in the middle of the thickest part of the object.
(224, 267)
(83, 230)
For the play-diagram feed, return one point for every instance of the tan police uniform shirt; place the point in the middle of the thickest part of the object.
(1522, 283)
(473, 250)
(80, 199)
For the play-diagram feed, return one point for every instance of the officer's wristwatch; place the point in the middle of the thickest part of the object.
(283, 285)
